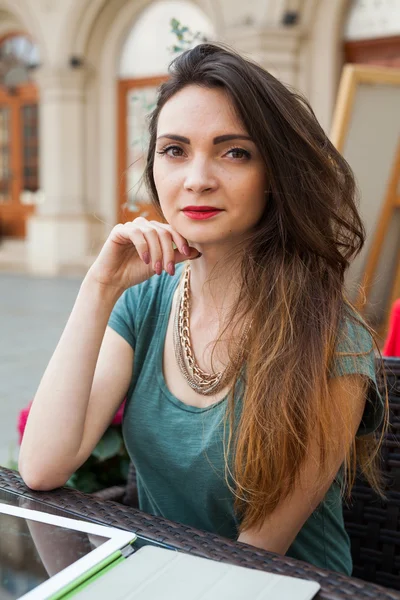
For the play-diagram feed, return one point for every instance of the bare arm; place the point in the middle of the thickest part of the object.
(89, 373)
(76, 400)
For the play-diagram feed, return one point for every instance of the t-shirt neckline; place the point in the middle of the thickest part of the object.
(166, 310)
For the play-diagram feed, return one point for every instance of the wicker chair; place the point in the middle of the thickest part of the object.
(373, 525)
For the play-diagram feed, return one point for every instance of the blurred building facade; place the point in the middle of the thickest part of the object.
(78, 77)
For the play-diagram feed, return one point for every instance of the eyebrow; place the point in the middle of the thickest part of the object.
(217, 140)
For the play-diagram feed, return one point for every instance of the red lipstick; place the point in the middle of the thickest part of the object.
(200, 212)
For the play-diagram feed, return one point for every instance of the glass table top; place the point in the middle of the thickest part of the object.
(14, 499)
(26, 562)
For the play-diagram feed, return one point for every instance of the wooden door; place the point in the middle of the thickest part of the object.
(136, 98)
(19, 170)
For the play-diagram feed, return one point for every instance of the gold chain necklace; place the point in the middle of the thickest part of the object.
(200, 381)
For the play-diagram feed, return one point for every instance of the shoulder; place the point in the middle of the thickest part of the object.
(354, 351)
(354, 336)
(355, 354)
(141, 305)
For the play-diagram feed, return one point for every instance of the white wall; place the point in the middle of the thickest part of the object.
(372, 19)
(146, 51)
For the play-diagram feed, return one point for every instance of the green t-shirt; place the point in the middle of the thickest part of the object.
(177, 449)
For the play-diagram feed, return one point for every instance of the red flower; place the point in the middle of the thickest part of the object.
(23, 418)
(117, 420)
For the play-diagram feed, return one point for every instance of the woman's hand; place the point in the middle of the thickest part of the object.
(136, 250)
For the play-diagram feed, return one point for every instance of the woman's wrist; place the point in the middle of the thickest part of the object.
(107, 294)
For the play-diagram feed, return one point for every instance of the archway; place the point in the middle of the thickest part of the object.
(16, 16)
(143, 67)
(102, 50)
(85, 17)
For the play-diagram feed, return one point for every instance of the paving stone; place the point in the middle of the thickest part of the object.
(33, 313)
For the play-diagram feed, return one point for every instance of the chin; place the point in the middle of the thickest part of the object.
(206, 229)
(208, 232)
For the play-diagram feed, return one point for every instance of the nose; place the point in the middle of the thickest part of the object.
(199, 177)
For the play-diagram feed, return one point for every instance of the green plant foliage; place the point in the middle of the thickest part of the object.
(107, 466)
(109, 445)
(185, 37)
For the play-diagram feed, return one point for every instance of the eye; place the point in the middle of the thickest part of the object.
(239, 153)
(172, 151)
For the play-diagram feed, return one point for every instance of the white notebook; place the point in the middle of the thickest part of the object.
(154, 573)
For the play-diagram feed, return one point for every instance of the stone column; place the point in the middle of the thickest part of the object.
(62, 231)
(306, 56)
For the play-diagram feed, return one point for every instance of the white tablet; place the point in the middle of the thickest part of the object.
(45, 556)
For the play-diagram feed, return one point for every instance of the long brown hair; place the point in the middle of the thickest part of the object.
(293, 286)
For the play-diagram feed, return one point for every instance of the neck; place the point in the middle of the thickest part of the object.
(214, 281)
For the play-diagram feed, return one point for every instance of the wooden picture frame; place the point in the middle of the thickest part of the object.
(366, 130)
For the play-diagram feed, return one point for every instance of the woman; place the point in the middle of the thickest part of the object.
(250, 379)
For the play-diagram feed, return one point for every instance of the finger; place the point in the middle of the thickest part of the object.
(193, 254)
(120, 234)
(156, 256)
(166, 241)
(139, 241)
(180, 242)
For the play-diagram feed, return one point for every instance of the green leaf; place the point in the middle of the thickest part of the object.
(109, 445)
(175, 25)
(72, 481)
(84, 481)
